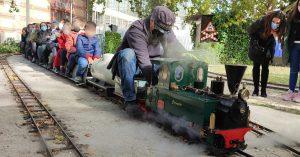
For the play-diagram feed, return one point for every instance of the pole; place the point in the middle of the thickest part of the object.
(71, 14)
(27, 12)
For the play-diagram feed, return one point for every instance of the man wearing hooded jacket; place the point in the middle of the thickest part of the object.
(145, 39)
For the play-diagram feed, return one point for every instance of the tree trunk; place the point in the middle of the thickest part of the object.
(198, 31)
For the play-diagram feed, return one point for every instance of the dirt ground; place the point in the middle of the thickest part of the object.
(103, 129)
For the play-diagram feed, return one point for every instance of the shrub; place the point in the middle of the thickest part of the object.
(9, 46)
(112, 41)
(234, 37)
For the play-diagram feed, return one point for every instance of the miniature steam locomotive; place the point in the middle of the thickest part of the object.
(182, 99)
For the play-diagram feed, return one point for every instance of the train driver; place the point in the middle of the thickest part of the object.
(145, 39)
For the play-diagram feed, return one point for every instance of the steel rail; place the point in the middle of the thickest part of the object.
(67, 137)
(267, 130)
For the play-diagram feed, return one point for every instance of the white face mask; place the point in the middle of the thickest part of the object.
(60, 26)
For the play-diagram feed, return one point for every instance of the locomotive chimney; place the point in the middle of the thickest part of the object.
(234, 74)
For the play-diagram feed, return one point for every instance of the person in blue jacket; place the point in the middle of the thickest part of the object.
(88, 49)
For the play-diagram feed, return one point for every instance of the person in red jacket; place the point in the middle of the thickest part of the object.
(77, 29)
(61, 57)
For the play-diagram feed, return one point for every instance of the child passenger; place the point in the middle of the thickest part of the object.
(77, 28)
(88, 49)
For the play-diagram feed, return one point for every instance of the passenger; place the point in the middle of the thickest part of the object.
(49, 26)
(31, 42)
(43, 38)
(77, 28)
(262, 46)
(62, 53)
(62, 23)
(293, 47)
(27, 52)
(145, 39)
(52, 45)
(88, 49)
(23, 40)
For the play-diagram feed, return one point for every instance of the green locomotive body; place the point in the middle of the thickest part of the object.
(213, 116)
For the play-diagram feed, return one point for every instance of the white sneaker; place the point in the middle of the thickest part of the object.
(297, 97)
(289, 96)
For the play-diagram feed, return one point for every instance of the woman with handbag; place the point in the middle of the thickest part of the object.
(293, 47)
(262, 46)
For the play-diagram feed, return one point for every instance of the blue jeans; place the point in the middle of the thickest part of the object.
(295, 66)
(82, 65)
(71, 63)
(128, 68)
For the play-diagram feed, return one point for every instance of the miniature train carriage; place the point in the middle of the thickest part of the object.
(181, 93)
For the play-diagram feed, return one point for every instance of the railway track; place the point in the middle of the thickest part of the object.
(274, 86)
(260, 131)
(53, 135)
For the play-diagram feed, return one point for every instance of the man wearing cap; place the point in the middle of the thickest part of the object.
(145, 39)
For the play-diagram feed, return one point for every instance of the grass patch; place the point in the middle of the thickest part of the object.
(277, 74)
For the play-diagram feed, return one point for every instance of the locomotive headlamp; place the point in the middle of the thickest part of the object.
(200, 74)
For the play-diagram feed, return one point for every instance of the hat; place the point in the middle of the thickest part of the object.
(163, 18)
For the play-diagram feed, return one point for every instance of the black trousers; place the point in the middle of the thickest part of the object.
(264, 74)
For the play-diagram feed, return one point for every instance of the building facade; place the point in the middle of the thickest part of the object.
(119, 13)
(116, 13)
(36, 11)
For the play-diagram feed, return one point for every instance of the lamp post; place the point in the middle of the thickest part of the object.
(71, 14)
(27, 12)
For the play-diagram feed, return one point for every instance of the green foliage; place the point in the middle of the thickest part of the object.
(13, 7)
(9, 46)
(234, 38)
(112, 41)
(232, 18)
(144, 7)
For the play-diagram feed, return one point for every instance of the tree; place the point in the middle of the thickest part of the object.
(232, 18)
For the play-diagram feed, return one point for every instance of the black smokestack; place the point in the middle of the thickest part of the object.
(234, 74)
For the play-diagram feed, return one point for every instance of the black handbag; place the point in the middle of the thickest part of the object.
(256, 52)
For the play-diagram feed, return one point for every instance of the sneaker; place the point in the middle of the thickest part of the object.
(55, 70)
(289, 96)
(78, 79)
(133, 109)
(297, 97)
